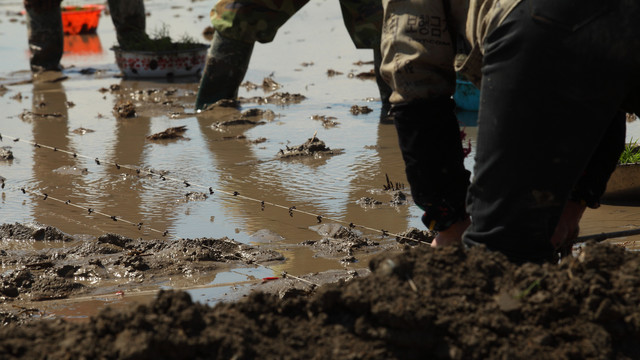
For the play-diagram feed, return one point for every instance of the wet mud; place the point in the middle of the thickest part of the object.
(89, 265)
(447, 303)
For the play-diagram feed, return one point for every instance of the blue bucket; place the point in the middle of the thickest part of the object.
(467, 95)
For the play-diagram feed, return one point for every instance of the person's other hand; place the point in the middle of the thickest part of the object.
(568, 227)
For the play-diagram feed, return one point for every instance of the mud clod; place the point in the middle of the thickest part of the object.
(5, 153)
(170, 133)
(35, 232)
(327, 121)
(277, 98)
(125, 110)
(357, 110)
(339, 242)
(368, 202)
(82, 131)
(414, 236)
(312, 147)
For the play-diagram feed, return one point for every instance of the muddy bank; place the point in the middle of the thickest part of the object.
(93, 265)
(448, 303)
(42, 263)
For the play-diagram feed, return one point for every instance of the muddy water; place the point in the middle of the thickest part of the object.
(311, 43)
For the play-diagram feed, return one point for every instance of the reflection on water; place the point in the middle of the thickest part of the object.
(82, 45)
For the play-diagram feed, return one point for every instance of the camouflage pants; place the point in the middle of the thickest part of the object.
(44, 22)
(259, 20)
(419, 44)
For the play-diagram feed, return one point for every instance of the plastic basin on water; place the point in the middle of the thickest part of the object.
(157, 64)
(81, 19)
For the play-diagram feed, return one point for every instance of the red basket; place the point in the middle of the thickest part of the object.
(81, 19)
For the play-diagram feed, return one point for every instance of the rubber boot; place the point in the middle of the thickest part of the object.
(227, 63)
(383, 87)
(129, 20)
(44, 24)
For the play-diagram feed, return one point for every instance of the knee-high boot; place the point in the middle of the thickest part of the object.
(227, 63)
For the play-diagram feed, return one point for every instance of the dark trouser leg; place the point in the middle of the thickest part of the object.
(543, 121)
(129, 20)
(45, 36)
(429, 138)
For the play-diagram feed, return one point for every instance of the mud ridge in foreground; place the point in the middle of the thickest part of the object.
(448, 303)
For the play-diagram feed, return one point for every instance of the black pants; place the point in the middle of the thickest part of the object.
(557, 78)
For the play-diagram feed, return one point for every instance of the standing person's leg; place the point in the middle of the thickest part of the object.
(548, 131)
(238, 25)
(130, 20)
(418, 48)
(363, 20)
(44, 23)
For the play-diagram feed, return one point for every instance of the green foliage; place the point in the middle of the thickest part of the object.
(630, 154)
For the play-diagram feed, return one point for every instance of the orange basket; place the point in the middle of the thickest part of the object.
(81, 19)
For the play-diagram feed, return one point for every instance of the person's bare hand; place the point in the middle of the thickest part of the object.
(568, 227)
(451, 236)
